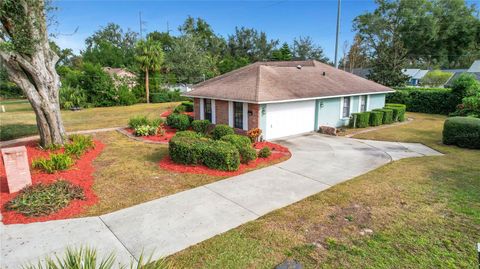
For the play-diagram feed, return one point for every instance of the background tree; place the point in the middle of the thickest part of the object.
(150, 57)
(110, 46)
(305, 49)
(251, 44)
(30, 63)
(189, 62)
(435, 78)
(357, 56)
(282, 54)
(163, 37)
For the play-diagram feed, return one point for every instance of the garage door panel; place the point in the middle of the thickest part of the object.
(284, 119)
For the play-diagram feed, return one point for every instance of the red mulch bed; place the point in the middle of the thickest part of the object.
(80, 174)
(169, 133)
(169, 112)
(278, 153)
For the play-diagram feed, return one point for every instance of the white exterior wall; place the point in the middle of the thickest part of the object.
(285, 119)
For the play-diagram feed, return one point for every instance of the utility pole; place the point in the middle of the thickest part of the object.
(338, 29)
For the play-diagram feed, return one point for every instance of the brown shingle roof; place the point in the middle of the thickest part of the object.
(280, 81)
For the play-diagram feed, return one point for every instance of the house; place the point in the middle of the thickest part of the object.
(414, 75)
(285, 98)
(121, 75)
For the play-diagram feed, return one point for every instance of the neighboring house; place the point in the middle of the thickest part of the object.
(181, 87)
(120, 75)
(285, 98)
(474, 70)
(414, 75)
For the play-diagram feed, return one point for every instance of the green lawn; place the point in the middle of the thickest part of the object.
(424, 213)
(19, 119)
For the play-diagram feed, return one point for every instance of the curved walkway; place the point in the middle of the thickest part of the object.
(170, 224)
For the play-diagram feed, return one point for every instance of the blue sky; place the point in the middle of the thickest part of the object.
(281, 20)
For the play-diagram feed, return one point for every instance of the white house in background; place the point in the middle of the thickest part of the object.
(285, 98)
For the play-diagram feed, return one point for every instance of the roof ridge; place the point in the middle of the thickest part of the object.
(226, 74)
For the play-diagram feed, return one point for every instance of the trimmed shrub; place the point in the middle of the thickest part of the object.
(244, 146)
(360, 120)
(190, 134)
(186, 150)
(42, 200)
(221, 155)
(200, 126)
(398, 111)
(425, 100)
(462, 131)
(178, 121)
(387, 115)
(146, 130)
(54, 163)
(376, 118)
(221, 130)
(265, 152)
(179, 109)
(188, 106)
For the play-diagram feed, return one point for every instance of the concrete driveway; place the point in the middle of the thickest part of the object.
(170, 224)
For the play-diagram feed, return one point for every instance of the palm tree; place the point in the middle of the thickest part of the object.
(150, 56)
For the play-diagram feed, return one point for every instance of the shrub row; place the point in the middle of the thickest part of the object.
(389, 114)
(398, 111)
(462, 131)
(360, 120)
(167, 96)
(214, 154)
(425, 100)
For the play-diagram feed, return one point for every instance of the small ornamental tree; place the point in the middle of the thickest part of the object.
(30, 63)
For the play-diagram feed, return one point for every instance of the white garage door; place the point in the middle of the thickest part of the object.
(284, 119)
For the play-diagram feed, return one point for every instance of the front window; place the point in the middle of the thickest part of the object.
(238, 115)
(208, 109)
(346, 107)
(363, 103)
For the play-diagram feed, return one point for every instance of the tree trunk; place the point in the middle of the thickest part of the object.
(147, 85)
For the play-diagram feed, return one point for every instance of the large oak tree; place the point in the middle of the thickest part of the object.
(30, 63)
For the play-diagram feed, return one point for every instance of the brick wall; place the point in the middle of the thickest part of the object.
(254, 118)
(221, 112)
(196, 108)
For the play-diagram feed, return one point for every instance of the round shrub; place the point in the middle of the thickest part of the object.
(398, 111)
(178, 121)
(265, 152)
(200, 126)
(186, 150)
(221, 130)
(239, 141)
(190, 134)
(462, 131)
(221, 155)
(247, 154)
(360, 120)
(188, 106)
(179, 109)
(376, 118)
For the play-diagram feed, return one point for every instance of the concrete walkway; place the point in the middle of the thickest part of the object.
(170, 224)
(36, 137)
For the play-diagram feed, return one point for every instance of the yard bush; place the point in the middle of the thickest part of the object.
(178, 121)
(188, 106)
(190, 134)
(167, 96)
(221, 130)
(425, 100)
(221, 155)
(54, 163)
(146, 130)
(360, 120)
(265, 152)
(387, 117)
(41, 199)
(186, 150)
(398, 111)
(376, 118)
(244, 146)
(78, 144)
(200, 126)
(71, 97)
(462, 131)
(125, 96)
(179, 109)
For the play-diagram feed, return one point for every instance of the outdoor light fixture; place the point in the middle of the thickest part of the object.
(250, 113)
(321, 104)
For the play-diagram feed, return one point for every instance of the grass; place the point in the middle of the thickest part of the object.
(127, 173)
(19, 119)
(45, 199)
(424, 213)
